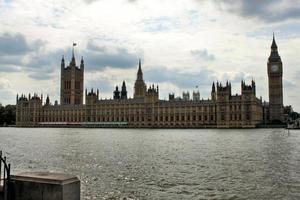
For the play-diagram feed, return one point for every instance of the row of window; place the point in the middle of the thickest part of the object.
(129, 119)
(235, 117)
(135, 118)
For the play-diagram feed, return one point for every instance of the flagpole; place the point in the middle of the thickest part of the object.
(73, 51)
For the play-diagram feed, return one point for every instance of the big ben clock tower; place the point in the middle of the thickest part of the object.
(275, 84)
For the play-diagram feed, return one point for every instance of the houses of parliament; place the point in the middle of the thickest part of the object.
(146, 110)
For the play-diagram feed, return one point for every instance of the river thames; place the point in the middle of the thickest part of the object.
(163, 164)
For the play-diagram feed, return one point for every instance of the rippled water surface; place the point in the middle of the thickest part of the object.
(163, 164)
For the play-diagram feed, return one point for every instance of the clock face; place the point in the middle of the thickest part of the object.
(274, 68)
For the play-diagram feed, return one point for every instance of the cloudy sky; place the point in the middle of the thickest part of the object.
(182, 44)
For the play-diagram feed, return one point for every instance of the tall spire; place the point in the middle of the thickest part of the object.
(140, 73)
(213, 89)
(274, 56)
(140, 65)
(82, 63)
(274, 45)
(62, 62)
(123, 91)
(139, 86)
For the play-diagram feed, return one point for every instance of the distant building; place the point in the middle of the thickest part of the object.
(145, 109)
(186, 96)
(196, 96)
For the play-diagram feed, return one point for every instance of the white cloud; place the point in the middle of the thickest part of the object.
(232, 45)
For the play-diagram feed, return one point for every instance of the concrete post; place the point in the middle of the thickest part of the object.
(46, 186)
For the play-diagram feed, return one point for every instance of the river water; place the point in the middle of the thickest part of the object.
(162, 163)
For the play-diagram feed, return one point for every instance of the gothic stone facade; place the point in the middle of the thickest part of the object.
(145, 109)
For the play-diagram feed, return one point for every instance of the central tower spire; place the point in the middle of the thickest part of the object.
(140, 73)
(139, 86)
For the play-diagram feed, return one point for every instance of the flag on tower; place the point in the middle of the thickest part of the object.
(74, 44)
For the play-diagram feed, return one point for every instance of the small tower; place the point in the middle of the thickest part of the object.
(223, 92)
(82, 63)
(196, 95)
(186, 96)
(139, 86)
(213, 92)
(123, 91)
(62, 63)
(91, 97)
(117, 93)
(248, 91)
(47, 101)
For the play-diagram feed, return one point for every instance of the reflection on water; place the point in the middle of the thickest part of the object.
(163, 164)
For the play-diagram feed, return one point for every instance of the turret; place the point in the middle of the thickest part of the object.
(223, 92)
(82, 63)
(196, 95)
(91, 97)
(117, 93)
(213, 92)
(62, 63)
(186, 96)
(47, 101)
(123, 91)
(253, 85)
(248, 89)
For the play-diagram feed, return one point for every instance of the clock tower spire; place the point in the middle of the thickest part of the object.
(275, 72)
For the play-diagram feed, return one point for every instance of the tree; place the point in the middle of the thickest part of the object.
(294, 115)
(7, 115)
(10, 114)
(2, 111)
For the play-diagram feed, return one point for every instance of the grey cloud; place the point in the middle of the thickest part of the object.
(39, 76)
(10, 60)
(6, 95)
(187, 80)
(16, 44)
(261, 9)
(14, 48)
(45, 61)
(104, 86)
(203, 55)
(4, 68)
(43, 67)
(99, 57)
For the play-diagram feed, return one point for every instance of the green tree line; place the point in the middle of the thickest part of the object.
(7, 115)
